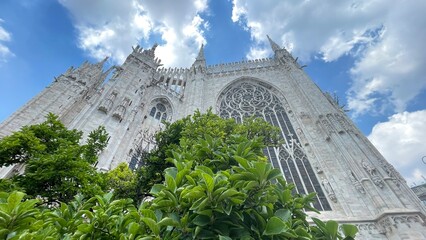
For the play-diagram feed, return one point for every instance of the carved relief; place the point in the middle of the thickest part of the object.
(325, 125)
(302, 137)
(358, 186)
(392, 173)
(304, 115)
(106, 105)
(117, 72)
(317, 168)
(368, 228)
(120, 110)
(337, 124)
(373, 174)
(288, 109)
(342, 121)
(328, 189)
(389, 223)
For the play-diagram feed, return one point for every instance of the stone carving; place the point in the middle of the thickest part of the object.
(288, 109)
(336, 123)
(302, 137)
(390, 223)
(117, 72)
(133, 114)
(392, 173)
(368, 168)
(317, 168)
(358, 186)
(342, 121)
(240, 66)
(120, 110)
(304, 115)
(106, 105)
(373, 174)
(328, 189)
(367, 228)
(326, 126)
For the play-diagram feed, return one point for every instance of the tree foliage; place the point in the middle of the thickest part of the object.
(57, 166)
(217, 185)
(122, 180)
(190, 130)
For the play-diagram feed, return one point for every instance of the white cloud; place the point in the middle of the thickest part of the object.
(385, 39)
(4, 50)
(110, 27)
(402, 141)
(394, 67)
(258, 52)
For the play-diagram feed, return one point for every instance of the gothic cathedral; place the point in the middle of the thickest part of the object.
(324, 152)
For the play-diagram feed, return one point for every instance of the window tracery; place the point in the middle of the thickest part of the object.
(252, 98)
(161, 110)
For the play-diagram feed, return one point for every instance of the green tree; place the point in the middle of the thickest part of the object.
(122, 180)
(219, 186)
(190, 130)
(57, 166)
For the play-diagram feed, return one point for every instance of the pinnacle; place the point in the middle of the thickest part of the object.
(274, 46)
(201, 54)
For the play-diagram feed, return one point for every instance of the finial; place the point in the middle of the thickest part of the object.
(200, 56)
(274, 46)
(151, 52)
(101, 63)
(104, 60)
(154, 47)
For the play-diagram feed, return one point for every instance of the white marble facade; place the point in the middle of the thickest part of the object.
(324, 151)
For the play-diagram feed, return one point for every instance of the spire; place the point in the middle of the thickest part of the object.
(274, 46)
(199, 66)
(101, 63)
(200, 56)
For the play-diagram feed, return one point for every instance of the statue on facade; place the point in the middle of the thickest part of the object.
(328, 189)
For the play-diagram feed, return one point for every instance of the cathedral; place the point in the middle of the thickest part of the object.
(324, 151)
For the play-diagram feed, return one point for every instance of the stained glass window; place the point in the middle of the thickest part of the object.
(252, 98)
(161, 110)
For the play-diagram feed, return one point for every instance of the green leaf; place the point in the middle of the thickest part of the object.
(156, 188)
(148, 213)
(85, 228)
(224, 237)
(204, 169)
(171, 183)
(152, 225)
(190, 179)
(274, 173)
(227, 194)
(168, 222)
(332, 228)
(243, 162)
(133, 228)
(209, 182)
(274, 226)
(14, 199)
(201, 220)
(349, 230)
(283, 214)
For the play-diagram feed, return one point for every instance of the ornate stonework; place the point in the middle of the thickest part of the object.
(323, 150)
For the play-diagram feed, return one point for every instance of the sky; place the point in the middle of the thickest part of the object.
(369, 53)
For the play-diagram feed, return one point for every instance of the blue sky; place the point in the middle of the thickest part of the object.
(370, 53)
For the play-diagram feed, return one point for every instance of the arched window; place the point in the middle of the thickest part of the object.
(251, 98)
(153, 111)
(161, 110)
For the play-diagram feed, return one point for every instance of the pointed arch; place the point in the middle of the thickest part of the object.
(247, 97)
(161, 109)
